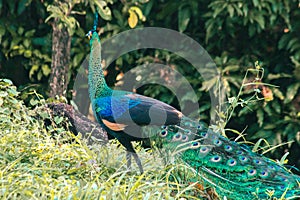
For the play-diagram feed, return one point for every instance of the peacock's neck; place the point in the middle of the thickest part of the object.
(97, 84)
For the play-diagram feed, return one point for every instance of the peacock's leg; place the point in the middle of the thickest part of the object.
(131, 152)
(128, 158)
(138, 161)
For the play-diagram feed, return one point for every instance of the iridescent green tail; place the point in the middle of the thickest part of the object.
(233, 169)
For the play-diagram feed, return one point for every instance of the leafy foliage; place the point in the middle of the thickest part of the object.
(235, 33)
(36, 164)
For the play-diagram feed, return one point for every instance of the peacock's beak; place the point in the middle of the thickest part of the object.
(89, 34)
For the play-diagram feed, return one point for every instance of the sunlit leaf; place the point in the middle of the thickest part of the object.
(103, 10)
(184, 15)
(133, 19)
(292, 90)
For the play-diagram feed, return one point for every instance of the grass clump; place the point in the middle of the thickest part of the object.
(37, 164)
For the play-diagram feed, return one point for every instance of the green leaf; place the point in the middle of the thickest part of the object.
(260, 117)
(219, 9)
(104, 10)
(20, 30)
(12, 91)
(33, 69)
(231, 68)
(278, 93)
(78, 59)
(9, 82)
(22, 5)
(251, 30)
(11, 6)
(148, 8)
(46, 70)
(58, 119)
(245, 11)
(33, 102)
(2, 30)
(3, 93)
(39, 75)
(283, 41)
(276, 106)
(26, 43)
(119, 61)
(29, 33)
(255, 3)
(184, 15)
(291, 92)
(260, 20)
(230, 9)
(28, 54)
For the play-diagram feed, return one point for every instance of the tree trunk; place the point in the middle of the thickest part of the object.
(61, 45)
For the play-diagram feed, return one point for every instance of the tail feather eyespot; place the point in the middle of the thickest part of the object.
(231, 162)
(204, 134)
(239, 152)
(264, 174)
(164, 127)
(218, 142)
(216, 158)
(195, 145)
(228, 148)
(243, 159)
(177, 137)
(258, 162)
(203, 149)
(188, 132)
(252, 172)
(184, 138)
(163, 133)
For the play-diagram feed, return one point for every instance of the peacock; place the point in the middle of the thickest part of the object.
(232, 168)
(123, 113)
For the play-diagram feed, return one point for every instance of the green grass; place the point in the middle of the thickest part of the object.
(36, 165)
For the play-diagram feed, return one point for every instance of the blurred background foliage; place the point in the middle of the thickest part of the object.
(235, 33)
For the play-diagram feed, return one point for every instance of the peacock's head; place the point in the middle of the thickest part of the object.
(90, 34)
(93, 35)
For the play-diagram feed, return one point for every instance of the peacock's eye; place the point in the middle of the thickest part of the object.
(228, 148)
(239, 152)
(204, 149)
(257, 161)
(177, 137)
(251, 172)
(216, 158)
(243, 159)
(218, 142)
(163, 133)
(184, 138)
(283, 179)
(281, 187)
(264, 174)
(195, 145)
(231, 162)
(204, 134)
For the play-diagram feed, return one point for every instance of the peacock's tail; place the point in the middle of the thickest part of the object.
(233, 169)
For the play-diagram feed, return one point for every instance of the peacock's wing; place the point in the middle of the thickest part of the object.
(127, 109)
